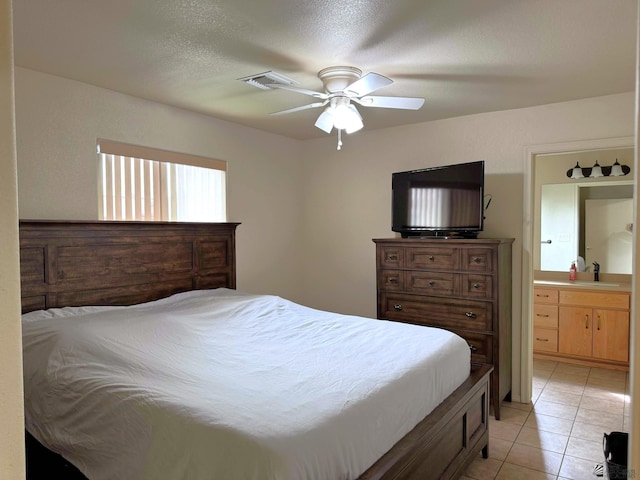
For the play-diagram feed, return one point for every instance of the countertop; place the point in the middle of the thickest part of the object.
(585, 284)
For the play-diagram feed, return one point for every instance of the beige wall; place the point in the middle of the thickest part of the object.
(11, 420)
(59, 120)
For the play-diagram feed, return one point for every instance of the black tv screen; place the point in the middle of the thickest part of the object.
(439, 201)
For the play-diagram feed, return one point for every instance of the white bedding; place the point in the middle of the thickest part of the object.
(218, 384)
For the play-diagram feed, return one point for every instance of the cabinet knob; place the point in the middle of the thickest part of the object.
(471, 315)
(392, 257)
(392, 280)
(473, 348)
(397, 306)
(431, 283)
(431, 257)
(476, 285)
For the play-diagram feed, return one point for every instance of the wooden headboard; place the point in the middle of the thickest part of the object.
(75, 263)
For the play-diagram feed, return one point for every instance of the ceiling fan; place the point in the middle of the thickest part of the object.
(343, 88)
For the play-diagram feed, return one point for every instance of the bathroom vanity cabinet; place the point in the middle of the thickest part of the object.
(589, 325)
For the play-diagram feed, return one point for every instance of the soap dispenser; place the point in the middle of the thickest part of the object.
(572, 271)
(596, 272)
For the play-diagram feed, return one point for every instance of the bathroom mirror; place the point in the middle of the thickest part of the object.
(590, 218)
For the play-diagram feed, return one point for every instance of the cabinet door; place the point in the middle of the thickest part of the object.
(574, 331)
(611, 335)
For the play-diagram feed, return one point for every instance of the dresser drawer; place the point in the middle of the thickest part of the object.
(545, 316)
(391, 280)
(432, 258)
(478, 286)
(390, 257)
(477, 259)
(545, 339)
(433, 283)
(545, 295)
(481, 346)
(437, 311)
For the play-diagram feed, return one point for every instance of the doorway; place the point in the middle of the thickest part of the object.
(531, 238)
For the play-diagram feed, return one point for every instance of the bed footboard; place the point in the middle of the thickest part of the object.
(446, 441)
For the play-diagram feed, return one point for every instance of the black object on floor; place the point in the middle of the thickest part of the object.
(615, 454)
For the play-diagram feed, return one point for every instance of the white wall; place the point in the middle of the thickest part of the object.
(59, 120)
(12, 458)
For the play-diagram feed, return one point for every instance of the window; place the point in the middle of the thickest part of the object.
(140, 183)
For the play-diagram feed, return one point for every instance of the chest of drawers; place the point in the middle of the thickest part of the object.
(460, 285)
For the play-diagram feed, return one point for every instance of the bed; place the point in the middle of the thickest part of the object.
(83, 281)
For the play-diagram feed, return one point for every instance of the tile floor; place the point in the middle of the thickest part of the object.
(559, 435)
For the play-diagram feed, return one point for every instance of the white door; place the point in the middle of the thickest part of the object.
(558, 226)
(608, 234)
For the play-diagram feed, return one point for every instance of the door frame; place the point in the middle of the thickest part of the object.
(526, 331)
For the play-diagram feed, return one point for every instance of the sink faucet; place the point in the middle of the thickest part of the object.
(596, 272)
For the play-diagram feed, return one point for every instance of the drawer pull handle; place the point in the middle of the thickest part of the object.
(542, 296)
(541, 315)
(476, 285)
(397, 306)
(392, 257)
(392, 280)
(476, 260)
(431, 283)
(473, 348)
(431, 258)
(599, 322)
(471, 315)
(542, 339)
(586, 322)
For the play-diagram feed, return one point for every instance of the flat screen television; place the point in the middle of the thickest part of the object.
(445, 201)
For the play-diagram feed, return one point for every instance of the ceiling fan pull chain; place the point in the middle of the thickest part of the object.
(339, 139)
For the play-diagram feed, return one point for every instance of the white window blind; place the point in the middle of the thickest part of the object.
(143, 184)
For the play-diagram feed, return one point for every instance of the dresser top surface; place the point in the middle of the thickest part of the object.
(449, 242)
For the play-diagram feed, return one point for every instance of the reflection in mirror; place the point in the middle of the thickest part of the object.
(586, 220)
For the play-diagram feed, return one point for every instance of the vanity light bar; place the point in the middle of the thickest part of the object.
(615, 170)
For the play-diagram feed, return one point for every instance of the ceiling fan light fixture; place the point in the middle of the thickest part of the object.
(346, 117)
(325, 120)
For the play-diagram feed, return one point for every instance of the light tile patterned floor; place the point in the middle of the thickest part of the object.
(559, 435)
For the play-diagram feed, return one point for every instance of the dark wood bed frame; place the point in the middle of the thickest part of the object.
(74, 263)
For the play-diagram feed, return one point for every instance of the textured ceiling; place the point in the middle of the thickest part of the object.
(462, 56)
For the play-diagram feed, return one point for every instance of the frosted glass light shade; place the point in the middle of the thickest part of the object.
(616, 170)
(596, 171)
(577, 172)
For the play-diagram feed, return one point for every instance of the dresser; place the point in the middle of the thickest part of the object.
(582, 325)
(462, 285)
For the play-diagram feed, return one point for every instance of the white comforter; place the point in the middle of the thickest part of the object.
(218, 384)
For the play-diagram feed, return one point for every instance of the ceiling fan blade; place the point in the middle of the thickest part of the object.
(325, 121)
(405, 103)
(304, 91)
(367, 84)
(303, 107)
